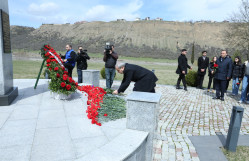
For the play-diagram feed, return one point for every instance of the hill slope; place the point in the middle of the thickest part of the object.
(159, 39)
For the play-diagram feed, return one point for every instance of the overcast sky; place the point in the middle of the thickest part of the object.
(34, 13)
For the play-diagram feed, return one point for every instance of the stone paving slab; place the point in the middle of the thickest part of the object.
(208, 147)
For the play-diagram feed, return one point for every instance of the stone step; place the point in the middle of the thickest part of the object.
(128, 146)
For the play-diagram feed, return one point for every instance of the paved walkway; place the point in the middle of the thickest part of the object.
(29, 127)
(192, 113)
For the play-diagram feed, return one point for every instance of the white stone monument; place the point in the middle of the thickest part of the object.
(7, 92)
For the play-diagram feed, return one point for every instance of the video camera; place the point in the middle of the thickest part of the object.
(82, 52)
(108, 47)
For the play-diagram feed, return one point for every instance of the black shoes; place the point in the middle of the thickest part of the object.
(178, 87)
(185, 89)
(217, 98)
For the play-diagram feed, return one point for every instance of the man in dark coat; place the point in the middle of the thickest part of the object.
(203, 63)
(222, 74)
(145, 80)
(182, 69)
(81, 60)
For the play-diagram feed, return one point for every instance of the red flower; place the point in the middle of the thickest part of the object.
(58, 75)
(48, 65)
(70, 79)
(47, 54)
(48, 61)
(63, 68)
(65, 77)
(215, 65)
(56, 69)
(68, 87)
(99, 124)
(76, 83)
(65, 72)
(105, 115)
(50, 69)
(63, 84)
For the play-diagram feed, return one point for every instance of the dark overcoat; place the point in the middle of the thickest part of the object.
(224, 70)
(182, 64)
(145, 80)
(202, 64)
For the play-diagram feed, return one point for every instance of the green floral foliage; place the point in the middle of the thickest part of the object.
(191, 79)
(113, 106)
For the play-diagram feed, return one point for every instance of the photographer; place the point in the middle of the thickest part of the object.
(110, 59)
(81, 60)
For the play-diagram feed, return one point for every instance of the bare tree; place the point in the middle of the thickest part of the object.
(237, 33)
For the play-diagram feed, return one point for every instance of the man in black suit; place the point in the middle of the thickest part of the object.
(182, 69)
(145, 80)
(203, 63)
(222, 74)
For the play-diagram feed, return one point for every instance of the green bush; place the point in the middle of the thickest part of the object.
(191, 79)
(102, 73)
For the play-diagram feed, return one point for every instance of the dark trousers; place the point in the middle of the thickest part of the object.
(181, 77)
(200, 79)
(69, 68)
(79, 72)
(227, 84)
(220, 86)
(211, 79)
(109, 75)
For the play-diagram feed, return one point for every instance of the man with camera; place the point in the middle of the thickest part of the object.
(110, 59)
(69, 59)
(81, 60)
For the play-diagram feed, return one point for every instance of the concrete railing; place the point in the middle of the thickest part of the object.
(142, 114)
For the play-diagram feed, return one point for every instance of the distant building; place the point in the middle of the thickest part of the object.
(137, 19)
(121, 20)
(80, 22)
(147, 19)
(159, 19)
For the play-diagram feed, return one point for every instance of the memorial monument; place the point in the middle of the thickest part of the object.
(8, 93)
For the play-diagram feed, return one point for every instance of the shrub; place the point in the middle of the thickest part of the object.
(191, 79)
(102, 73)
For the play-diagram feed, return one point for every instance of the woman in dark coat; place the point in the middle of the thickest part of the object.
(211, 72)
(236, 75)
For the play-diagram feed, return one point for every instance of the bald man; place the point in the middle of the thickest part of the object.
(145, 80)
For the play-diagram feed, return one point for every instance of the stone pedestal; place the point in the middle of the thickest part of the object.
(91, 77)
(142, 114)
(7, 92)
